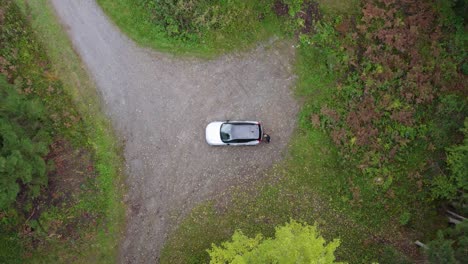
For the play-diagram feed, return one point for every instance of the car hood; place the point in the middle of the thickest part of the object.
(213, 134)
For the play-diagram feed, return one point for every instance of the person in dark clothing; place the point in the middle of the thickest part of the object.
(266, 138)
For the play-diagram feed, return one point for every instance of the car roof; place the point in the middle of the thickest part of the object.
(244, 131)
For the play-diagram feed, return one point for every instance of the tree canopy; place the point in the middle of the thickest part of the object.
(450, 245)
(293, 243)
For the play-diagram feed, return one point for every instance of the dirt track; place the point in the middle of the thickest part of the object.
(160, 105)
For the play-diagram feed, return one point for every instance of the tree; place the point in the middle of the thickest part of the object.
(24, 141)
(441, 251)
(456, 181)
(450, 246)
(293, 243)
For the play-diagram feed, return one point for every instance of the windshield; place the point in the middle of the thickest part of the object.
(226, 132)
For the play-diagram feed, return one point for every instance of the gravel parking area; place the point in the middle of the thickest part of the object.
(160, 105)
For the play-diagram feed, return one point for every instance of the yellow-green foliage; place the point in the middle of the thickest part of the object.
(293, 243)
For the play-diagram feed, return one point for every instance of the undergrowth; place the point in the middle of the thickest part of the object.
(67, 222)
(203, 28)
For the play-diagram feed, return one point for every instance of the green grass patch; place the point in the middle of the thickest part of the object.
(340, 7)
(205, 30)
(44, 56)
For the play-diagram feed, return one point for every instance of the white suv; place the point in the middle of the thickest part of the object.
(234, 133)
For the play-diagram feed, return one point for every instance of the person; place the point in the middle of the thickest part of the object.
(266, 138)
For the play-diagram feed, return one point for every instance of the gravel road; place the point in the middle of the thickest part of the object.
(160, 104)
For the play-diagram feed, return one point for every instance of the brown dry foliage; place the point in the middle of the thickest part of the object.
(396, 45)
(339, 136)
(331, 113)
(315, 120)
(361, 121)
(405, 117)
(401, 39)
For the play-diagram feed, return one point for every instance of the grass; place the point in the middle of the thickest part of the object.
(339, 7)
(135, 21)
(99, 245)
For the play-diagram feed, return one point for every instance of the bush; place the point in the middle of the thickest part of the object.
(294, 6)
(450, 245)
(448, 186)
(405, 218)
(24, 142)
(189, 20)
(445, 130)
